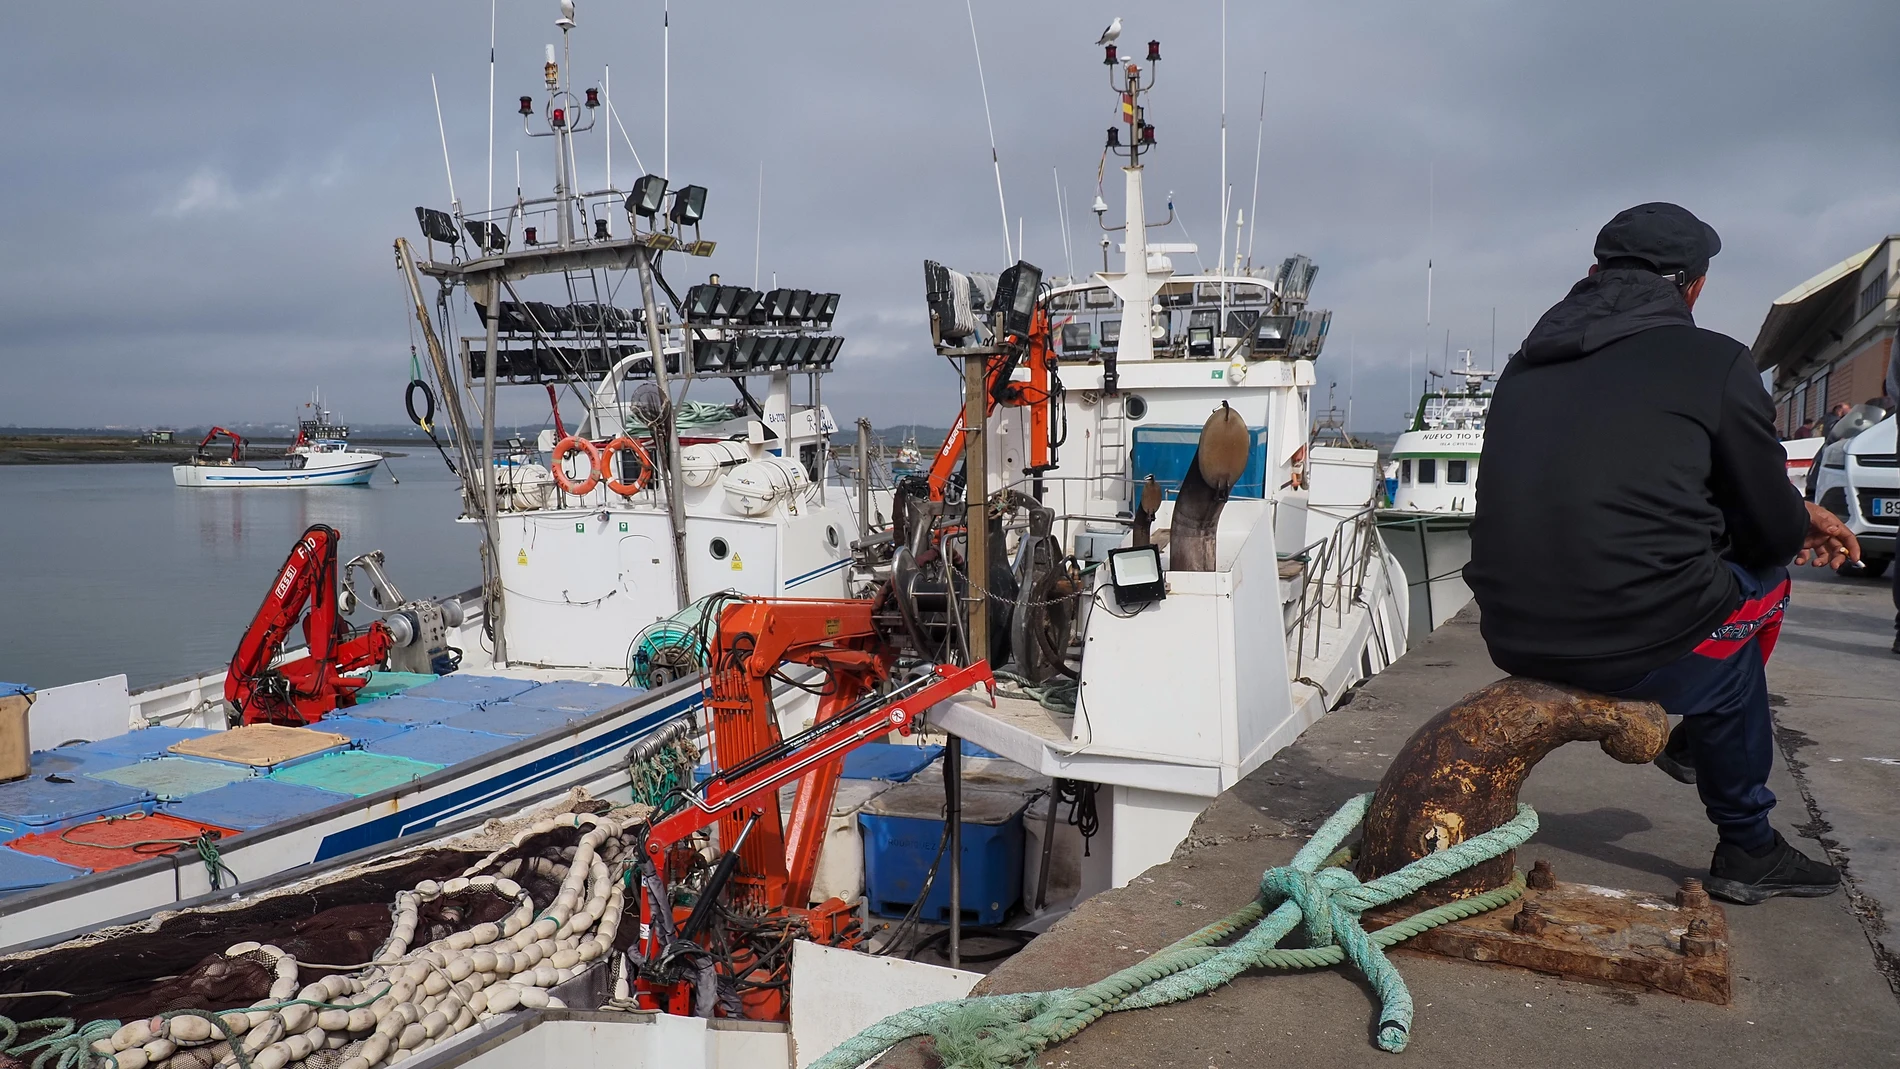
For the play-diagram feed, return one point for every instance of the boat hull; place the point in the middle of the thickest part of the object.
(588, 753)
(1432, 548)
(351, 473)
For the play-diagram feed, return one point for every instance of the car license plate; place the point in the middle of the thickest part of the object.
(1885, 508)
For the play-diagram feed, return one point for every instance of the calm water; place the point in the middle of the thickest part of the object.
(108, 568)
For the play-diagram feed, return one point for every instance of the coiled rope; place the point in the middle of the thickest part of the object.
(1002, 1031)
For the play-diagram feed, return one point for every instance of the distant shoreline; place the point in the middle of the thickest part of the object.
(117, 449)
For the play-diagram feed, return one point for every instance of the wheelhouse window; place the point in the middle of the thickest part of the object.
(1405, 473)
(1457, 471)
(1428, 470)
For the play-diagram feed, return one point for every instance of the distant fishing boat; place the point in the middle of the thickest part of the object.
(320, 456)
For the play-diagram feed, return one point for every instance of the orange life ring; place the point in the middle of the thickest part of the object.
(611, 451)
(565, 447)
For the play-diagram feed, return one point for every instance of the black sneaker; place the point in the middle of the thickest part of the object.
(1675, 759)
(1735, 875)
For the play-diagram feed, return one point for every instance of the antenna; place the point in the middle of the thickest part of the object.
(443, 133)
(758, 228)
(1259, 139)
(1009, 255)
(1226, 188)
(491, 108)
(666, 90)
(607, 92)
(1062, 217)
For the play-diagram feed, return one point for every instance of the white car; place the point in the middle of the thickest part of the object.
(1860, 483)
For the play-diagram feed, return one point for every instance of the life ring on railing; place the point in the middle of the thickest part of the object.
(611, 452)
(562, 450)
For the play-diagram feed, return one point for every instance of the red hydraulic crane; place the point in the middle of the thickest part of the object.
(301, 690)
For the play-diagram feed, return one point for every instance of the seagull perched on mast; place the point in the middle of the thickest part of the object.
(1114, 30)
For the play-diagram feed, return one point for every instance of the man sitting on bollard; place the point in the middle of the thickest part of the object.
(1635, 522)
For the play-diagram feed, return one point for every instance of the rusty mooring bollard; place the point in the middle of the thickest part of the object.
(1459, 774)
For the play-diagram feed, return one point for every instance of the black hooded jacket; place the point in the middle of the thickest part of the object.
(1627, 453)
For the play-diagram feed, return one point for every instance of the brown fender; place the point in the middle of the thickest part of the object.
(1218, 463)
(1459, 774)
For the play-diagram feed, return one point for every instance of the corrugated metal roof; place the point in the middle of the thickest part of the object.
(1786, 333)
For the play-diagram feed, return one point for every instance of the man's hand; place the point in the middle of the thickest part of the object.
(1829, 542)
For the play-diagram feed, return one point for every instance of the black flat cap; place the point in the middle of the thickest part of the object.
(1666, 236)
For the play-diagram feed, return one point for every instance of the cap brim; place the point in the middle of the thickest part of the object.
(1715, 240)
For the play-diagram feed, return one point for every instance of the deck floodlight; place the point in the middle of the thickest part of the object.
(438, 225)
(649, 194)
(745, 304)
(778, 305)
(801, 306)
(1135, 573)
(712, 356)
(487, 236)
(830, 354)
(699, 303)
(689, 205)
(824, 308)
(743, 351)
(953, 301)
(722, 304)
(1016, 296)
(809, 348)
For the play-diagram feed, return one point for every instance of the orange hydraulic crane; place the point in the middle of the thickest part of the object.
(769, 865)
(1037, 394)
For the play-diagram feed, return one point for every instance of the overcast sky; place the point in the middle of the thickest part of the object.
(201, 196)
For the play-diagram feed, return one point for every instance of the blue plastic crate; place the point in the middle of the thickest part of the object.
(409, 709)
(23, 872)
(355, 772)
(440, 745)
(902, 830)
(482, 690)
(75, 760)
(172, 778)
(895, 762)
(509, 719)
(576, 699)
(384, 684)
(361, 731)
(142, 744)
(44, 803)
(254, 803)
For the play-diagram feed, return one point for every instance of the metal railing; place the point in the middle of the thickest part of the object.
(1333, 578)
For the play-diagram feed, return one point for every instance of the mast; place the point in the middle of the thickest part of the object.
(1135, 284)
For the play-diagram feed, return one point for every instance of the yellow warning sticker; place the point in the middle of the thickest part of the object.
(737, 564)
(833, 625)
(521, 558)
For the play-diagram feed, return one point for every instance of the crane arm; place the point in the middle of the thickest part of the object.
(1035, 394)
(301, 690)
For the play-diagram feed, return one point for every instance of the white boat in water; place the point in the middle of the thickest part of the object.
(321, 455)
(1427, 527)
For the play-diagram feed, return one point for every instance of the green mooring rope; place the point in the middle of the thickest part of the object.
(1000, 1031)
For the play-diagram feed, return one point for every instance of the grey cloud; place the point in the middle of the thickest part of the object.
(201, 197)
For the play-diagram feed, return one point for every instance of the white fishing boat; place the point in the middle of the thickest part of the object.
(1427, 527)
(321, 455)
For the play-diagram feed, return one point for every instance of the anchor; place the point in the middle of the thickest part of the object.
(1458, 776)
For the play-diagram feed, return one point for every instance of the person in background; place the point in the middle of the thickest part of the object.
(1841, 408)
(1635, 542)
(1806, 430)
